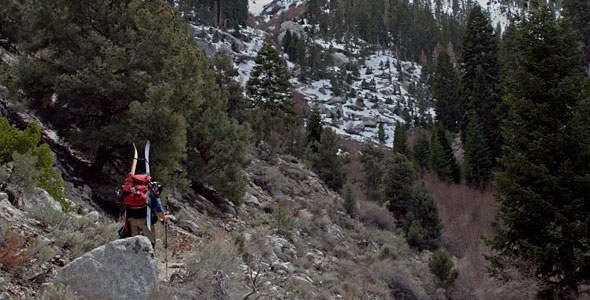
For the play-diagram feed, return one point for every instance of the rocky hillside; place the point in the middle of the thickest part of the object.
(291, 239)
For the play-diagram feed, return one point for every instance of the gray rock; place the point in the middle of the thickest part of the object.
(206, 47)
(94, 215)
(189, 226)
(122, 269)
(226, 49)
(251, 200)
(339, 59)
(4, 296)
(285, 266)
(300, 281)
(371, 124)
(304, 214)
(295, 28)
(81, 192)
(3, 196)
(40, 197)
(336, 100)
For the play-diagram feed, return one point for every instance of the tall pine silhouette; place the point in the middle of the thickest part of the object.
(480, 77)
(445, 90)
(543, 188)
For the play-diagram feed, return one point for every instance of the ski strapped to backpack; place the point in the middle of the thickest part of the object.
(136, 187)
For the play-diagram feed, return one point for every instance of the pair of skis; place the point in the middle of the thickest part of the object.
(149, 210)
(147, 172)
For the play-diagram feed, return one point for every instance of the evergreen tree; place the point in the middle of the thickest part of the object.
(270, 91)
(578, 12)
(111, 75)
(441, 265)
(216, 145)
(445, 90)
(442, 159)
(371, 158)
(400, 144)
(301, 54)
(220, 13)
(98, 72)
(381, 136)
(422, 152)
(350, 204)
(397, 185)
(326, 162)
(423, 225)
(269, 85)
(477, 165)
(231, 88)
(480, 78)
(314, 125)
(543, 188)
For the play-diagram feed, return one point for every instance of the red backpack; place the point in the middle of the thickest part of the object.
(136, 186)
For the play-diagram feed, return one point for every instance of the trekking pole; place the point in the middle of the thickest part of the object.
(166, 245)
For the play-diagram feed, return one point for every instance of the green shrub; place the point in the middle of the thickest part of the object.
(24, 172)
(423, 225)
(284, 222)
(441, 265)
(44, 252)
(350, 204)
(239, 242)
(32, 164)
(49, 216)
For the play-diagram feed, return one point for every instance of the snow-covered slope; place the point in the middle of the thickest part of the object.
(376, 94)
(257, 6)
(384, 90)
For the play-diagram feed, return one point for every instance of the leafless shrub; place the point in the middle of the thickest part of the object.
(376, 216)
(259, 281)
(210, 271)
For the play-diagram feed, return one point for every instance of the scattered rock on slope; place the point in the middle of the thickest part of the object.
(122, 269)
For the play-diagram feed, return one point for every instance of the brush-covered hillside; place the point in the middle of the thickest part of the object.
(315, 149)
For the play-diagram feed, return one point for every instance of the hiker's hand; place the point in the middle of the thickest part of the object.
(163, 217)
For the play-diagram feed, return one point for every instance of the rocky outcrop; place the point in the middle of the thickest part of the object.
(293, 27)
(40, 197)
(122, 269)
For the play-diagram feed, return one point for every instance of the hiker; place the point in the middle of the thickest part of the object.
(136, 214)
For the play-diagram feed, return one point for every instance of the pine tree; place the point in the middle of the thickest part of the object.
(543, 188)
(400, 144)
(350, 204)
(326, 162)
(578, 10)
(216, 145)
(371, 158)
(269, 85)
(445, 90)
(232, 89)
(270, 91)
(314, 125)
(423, 225)
(381, 136)
(422, 152)
(442, 159)
(480, 78)
(104, 63)
(477, 165)
(112, 75)
(397, 185)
